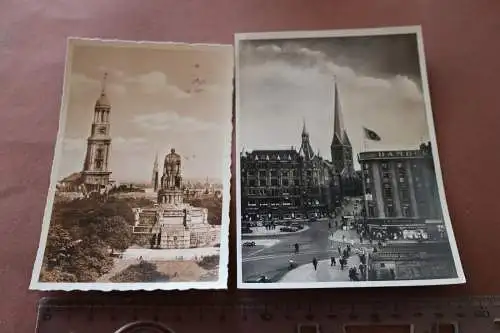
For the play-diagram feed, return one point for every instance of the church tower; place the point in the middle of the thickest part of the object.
(96, 165)
(306, 150)
(341, 149)
(155, 179)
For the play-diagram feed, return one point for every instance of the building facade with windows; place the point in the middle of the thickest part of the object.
(400, 188)
(287, 184)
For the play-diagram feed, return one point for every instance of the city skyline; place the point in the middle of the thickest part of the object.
(281, 81)
(176, 99)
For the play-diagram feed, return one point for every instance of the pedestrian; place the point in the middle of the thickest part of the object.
(332, 261)
(340, 250)
(315, 263)
(296, 248)
(329, 225)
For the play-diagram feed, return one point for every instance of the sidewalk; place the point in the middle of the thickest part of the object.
(325, 272)
(261, 231)
(169, 254)
(350, 236)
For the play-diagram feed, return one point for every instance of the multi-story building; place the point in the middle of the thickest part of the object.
(287, 184)
(400, 188)
(291, 184)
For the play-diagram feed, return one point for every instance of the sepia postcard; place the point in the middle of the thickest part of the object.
(139, 192)
(338, 176)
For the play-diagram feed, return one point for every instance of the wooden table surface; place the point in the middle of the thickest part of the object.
(463, 57)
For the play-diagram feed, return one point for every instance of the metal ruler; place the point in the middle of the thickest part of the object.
(215, 315)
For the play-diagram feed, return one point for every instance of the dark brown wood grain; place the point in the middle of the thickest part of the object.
(463, 58)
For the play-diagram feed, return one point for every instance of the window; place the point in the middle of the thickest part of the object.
(385, 166)
(390, 210)
(387, 191)
(274, 182)
(262, 182)
(262, 173)
(252, 182)
(405, 211)
(401, 179)
(285, 182)
(274, 173)
(99, 160)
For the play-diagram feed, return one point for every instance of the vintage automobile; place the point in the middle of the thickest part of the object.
(258, 279)
(249, 244)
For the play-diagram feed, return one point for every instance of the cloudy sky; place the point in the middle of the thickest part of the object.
(161, 97)
(283, 82)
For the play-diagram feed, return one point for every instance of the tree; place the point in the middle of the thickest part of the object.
(142, 272)
(214, 207)
(115, 232)
(80, 235)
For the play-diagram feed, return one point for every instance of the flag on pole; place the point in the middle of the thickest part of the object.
(371, 135)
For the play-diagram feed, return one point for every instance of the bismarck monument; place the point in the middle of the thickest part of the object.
(172, 223)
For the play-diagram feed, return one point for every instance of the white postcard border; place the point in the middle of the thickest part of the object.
(222, 281)
(239, 37)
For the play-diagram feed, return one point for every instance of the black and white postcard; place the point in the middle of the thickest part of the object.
(338, 176)
(139, 193)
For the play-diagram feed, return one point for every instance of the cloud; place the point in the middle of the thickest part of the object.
(281, 85)
(305, 58)
(162, 121)
(81, 82)
(74, 144)
(157, 83)
(119, 143)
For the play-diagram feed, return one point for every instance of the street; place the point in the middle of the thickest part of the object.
(273, 261)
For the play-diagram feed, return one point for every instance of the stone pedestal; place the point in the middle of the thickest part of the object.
(170, 197)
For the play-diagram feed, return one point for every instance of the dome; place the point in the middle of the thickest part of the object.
(103, 101)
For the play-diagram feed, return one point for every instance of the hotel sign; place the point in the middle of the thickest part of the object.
(394, 154)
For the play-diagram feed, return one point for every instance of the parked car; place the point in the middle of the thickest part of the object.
(297, 225)
(259, 279)
(246, 231)
(249, 244)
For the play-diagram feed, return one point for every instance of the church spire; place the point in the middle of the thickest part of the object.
(103, 99)
(103, 83)
(155, 177)
(305, 150)
(304, 129)
(155, 165)
(338, 123)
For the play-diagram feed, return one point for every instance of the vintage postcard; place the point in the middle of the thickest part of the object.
(139, 193)
(338, 176)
